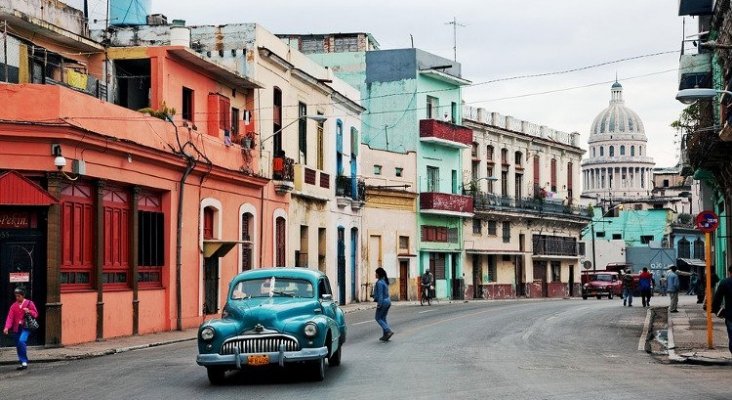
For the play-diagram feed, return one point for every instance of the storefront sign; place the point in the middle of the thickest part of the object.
(14, 220)
(19, 277)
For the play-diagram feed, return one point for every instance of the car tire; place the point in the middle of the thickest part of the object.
(584, 297)
(317, 370)
(599, 297)
(610, 296)
(216, 375)
(335, 359)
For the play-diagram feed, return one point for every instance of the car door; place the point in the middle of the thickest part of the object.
(329, 307)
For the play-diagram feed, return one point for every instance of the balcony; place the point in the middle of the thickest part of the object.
(446, 204)
(486, 202)
(554, 247)
(445, 133)
(350, 191)
(311, 183)
(283, 174)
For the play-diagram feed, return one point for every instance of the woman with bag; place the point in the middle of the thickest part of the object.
(21, 320)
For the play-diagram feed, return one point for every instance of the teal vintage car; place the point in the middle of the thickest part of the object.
(274, 316)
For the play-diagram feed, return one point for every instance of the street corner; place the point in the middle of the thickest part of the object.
(716, 357)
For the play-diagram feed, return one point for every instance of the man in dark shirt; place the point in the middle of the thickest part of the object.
(724, 293)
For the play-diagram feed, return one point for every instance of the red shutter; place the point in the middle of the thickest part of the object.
(208, 223)
(537, 171)
(76, 236)
(554, 175)
(280, 242)
(569, 175)
(224, 113)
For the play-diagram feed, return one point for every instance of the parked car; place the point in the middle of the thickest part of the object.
(600, 284)
(274, 316)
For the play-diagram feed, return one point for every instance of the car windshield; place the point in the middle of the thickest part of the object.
(603, 277)
(272, 287)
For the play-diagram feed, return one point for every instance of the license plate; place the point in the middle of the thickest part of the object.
(258, 360)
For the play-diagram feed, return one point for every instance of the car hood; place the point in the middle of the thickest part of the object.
(271, 313)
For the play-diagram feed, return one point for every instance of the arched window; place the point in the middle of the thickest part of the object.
(684, 248)
(622, 150)
(280, 240)
(594, 153)
(640, 150)
(612, 151)
(518, 159)
(489, 153)
(699, 249)
(632, 151)
(246, 236)
(602, 151)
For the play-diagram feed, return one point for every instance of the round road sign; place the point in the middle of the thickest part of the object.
(707, 221)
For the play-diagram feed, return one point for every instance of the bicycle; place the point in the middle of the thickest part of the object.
(425, 296)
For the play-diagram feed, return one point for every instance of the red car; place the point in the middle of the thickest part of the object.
(600, 284)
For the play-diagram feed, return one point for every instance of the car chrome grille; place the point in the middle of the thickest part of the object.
(259, 344)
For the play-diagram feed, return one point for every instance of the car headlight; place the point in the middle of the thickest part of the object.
(207, 333)
(310, 329)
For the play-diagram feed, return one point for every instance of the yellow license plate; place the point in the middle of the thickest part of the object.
(258, 360)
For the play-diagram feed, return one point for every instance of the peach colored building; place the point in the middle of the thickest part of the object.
(148, 220)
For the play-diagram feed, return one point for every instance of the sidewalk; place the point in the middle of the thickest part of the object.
(687, 336)
(40, 354)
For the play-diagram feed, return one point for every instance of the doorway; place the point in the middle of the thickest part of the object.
(477, 276)
(211, 285)
(571, 281)
(403, 279)
(341, 265)
(540, 277)
(354, 263)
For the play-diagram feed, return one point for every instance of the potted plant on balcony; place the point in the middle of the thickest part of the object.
(248, 141)
(470, 188)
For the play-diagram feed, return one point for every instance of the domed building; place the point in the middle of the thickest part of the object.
(617, 167)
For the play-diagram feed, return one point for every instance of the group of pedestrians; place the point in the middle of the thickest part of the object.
(645, 286)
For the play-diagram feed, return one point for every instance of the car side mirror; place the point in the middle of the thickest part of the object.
(326, 297)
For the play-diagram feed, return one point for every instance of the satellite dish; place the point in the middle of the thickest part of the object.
(587, 264)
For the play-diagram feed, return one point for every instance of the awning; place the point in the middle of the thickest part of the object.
(17, 190)
(690, 262)
(220, 248)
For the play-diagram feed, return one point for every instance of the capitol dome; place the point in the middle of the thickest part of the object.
(617, 118)
(617, 165)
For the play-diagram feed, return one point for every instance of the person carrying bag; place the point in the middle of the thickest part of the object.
(21, 321)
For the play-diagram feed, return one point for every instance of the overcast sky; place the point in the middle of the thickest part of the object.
(504, 38)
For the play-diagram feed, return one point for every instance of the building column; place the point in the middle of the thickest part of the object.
(53, 262)
(134, 233)
(99, 255)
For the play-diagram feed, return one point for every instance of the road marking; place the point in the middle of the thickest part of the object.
(644, 334)
(425, 311)
(361, 323)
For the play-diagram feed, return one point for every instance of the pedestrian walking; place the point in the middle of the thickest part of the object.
(645, 282)
(694, 284)
(672, 282)
(383, 303)
(662, 284)
(428, 282)
(16, 324)
(724, 295)
(628, 288)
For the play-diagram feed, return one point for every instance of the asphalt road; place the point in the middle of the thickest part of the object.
(568, 349)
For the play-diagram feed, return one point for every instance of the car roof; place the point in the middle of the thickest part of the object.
(281, 272)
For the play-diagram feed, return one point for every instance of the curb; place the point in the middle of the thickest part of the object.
(101, 353)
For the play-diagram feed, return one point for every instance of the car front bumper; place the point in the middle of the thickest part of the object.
(240, 360)
(595, 292)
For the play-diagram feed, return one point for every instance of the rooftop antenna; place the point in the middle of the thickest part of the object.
(455, 25)
(411, 37)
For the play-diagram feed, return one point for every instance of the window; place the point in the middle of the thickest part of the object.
(617, 236)
(339, 148)
(454, 112)
(490, 179)
(518, 186)
(506, 232)
(504, 183)
(666, 183)
(570, 179)
(439, 234)
(646, 239)
(187, 107)
(433, 179)
(277, 121)
(235, 121)
(224, 114)
(437, 265)
(303, 131)
(600, 234)
(489, 153)
(246, 235)
(594, 153)
(504, 156)
(640, 150)
(150, 239)
(622, 150)
(581, 248)
(320, 149)
(699, 250)
(377, 169)
(602, 151)
(115, 267)
(684, 250)
(474, 150)
(477, 226)
(556, 267)
(404, 243)
(537, 171)
(398, 172)
(518, 159)
(632, 151)
(553, 176)
(612, 151)
(208, 223)
(433, 107)
(492, 269)
(454, 182)
(492, 228)
(346, 44)
(77, 229)
(280, 240)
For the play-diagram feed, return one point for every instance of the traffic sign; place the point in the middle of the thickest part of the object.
(707, 221)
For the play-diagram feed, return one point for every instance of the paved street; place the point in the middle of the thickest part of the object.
(567, 349)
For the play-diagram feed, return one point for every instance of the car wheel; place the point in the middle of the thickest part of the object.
(335, 359)
(216, 375)
(599, 297)
(584, 297)
(317, 370)
(610, 296)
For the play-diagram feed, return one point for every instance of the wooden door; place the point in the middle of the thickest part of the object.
(403, 279)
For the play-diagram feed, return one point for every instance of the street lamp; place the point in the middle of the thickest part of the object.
(316, 118)
(689, 96)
